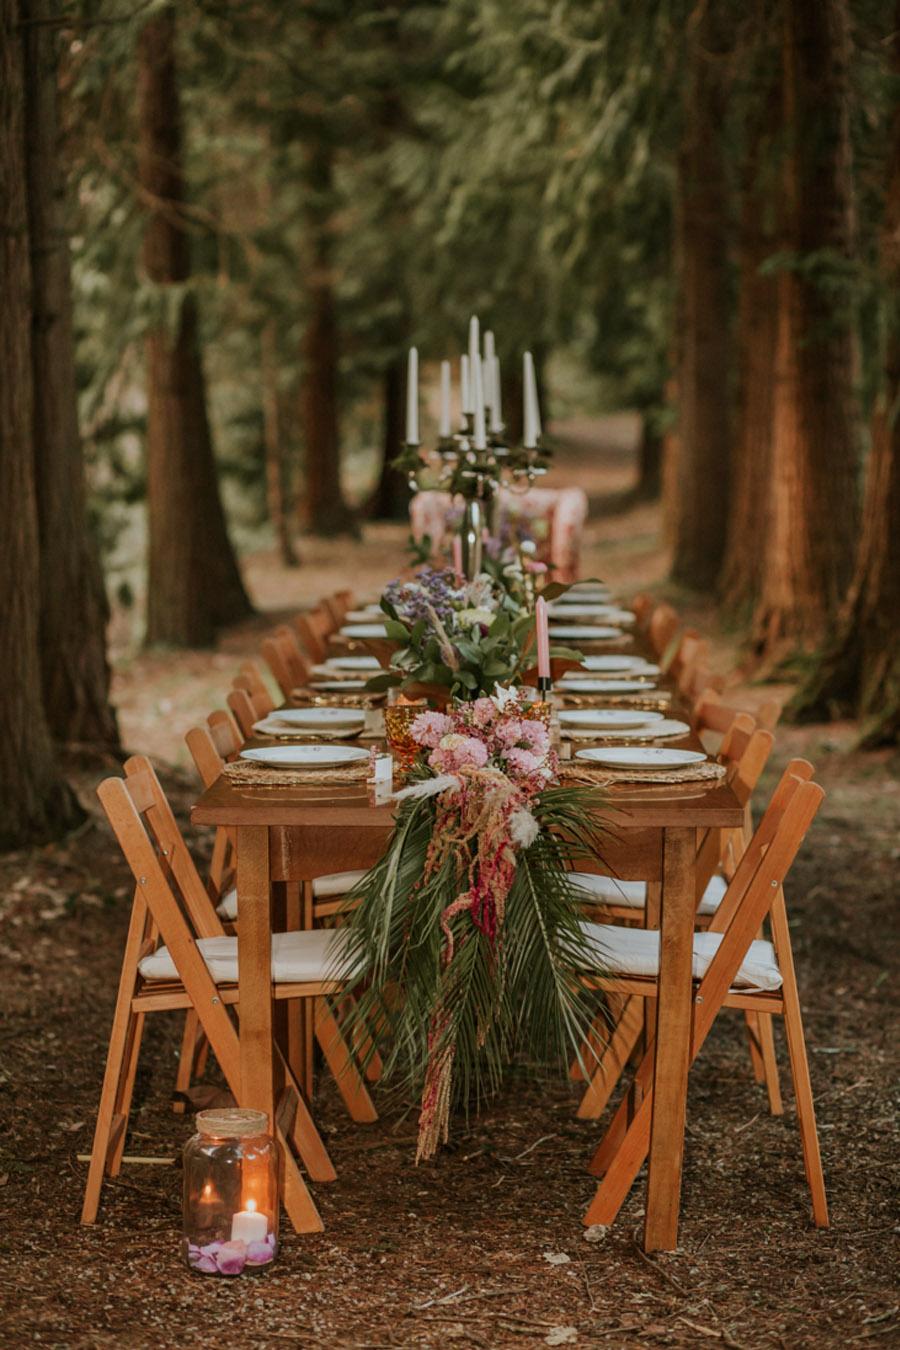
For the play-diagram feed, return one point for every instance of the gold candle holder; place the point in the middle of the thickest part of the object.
(398, 719)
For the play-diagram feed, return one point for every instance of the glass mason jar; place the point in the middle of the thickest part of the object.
(231, 1169)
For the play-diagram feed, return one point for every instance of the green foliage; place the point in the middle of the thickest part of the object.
(518, 996)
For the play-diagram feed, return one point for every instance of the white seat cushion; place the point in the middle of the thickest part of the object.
(610, 891)
(297, 958)
(336, 883)
(635, 951)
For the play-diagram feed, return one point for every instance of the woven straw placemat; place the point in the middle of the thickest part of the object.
(318, 698)
(246, 774)
(580, 771)
(657, 701)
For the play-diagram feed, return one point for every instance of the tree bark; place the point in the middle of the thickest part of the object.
(273, 436)
(650, 460)
(757, 330)
(73, 606)
(390, 500)
(859, 672)
(701, 479)
(324, 510)
(813, 511)
(194, 585)
(35, 803)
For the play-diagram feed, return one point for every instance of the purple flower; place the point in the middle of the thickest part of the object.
(211, 1248)
(231, 1258)
(260, 1253)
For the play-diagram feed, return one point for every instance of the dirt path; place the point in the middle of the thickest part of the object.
(484, 1247)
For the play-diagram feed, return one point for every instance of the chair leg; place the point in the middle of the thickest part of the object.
(595, 1043)
(754, 1044)
(122, 1108)
(343, 1066)
(766, 1028)
(187, 1057)
(613, 1061)
(364, 1048)
(796, 1043)
(118, 1060)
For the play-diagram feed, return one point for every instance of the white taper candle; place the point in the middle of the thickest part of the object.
(496, 401)
(529, 437)
(444, 428)
(474, 340)
(480, 436)
(465, 385)
(412, 398)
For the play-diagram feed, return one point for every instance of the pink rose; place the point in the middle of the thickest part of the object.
(259, 1253)
(509, 733)
(483, 712)
(536, 567)
(457, 752)
(429, 727)
(522, 761)
(535, 736)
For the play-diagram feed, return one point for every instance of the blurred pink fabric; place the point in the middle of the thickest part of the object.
(561, 512)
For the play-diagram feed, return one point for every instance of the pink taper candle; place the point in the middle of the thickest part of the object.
(543, 638)
(457, 555)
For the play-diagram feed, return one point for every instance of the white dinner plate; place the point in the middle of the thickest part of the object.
(583, 686)
(593, 632)
(641, 757)
(364, 630)
(272, 727)
(368, 615)
(616, 663)
(598, 613)
(351, 663)
(320, 717)
(305, 756)
(585, 590)
(338, 686)
(667, 729)
(609, 719)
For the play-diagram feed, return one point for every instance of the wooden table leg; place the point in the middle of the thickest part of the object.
(255, 969)
(257, 1049)
(673, 1040)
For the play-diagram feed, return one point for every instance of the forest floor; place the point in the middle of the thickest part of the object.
(484, 1246)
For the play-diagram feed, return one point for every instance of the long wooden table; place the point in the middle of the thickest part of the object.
(296, 833)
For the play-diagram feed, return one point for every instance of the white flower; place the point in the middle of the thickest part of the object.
(480, 593)
(468, 618)
(503, 695)
(528, 546)
(523, 828)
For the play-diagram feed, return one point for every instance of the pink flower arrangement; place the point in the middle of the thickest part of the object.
(488, 733)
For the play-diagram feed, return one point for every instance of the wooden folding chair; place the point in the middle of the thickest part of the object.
(246, 709)
(642, 606)
(250, 678)
(304, 905)
(745, 751)
(710, 712)
(662, 629)
(172, 904)
(289, 665)
(737, 972)
(336, 606)
(314, 629)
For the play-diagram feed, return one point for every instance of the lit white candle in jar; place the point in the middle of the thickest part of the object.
(249, 1225)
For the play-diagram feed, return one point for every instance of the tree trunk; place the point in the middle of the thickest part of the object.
(813, 513)
(757, 330)
(35, 803)
(701, 482)
(650, 459)
(194, 585)
(73, 611)
(273, 436)
(324, 510)
(859, 672)
(390, 500)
